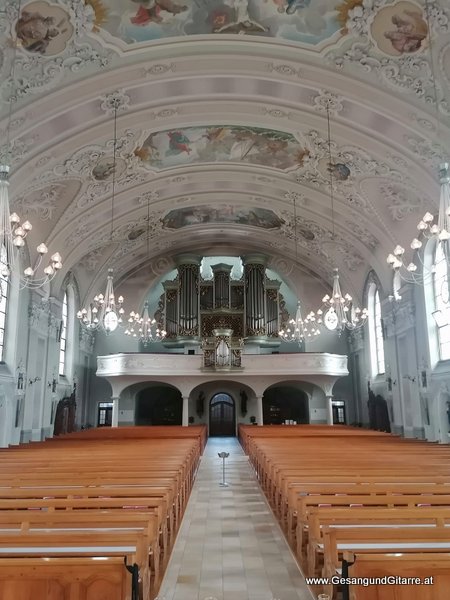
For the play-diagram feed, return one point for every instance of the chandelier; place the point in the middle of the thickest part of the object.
(298, 329)
(415, 269)
(338, 311)
(144, 327)
(428, 229)
(12, 238)
(104, 312)
(12, 231)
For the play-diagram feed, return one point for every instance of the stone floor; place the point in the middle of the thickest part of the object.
(230, 546)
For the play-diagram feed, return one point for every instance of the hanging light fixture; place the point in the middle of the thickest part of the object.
(298, 329)
(414, 269)
(12, 231)
(104, 312)
(428, 229)
(143, 326)
(338, 311)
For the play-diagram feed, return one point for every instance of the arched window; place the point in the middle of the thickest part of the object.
(441, 302)
(4, 287)
(376, 332)
(63, 337)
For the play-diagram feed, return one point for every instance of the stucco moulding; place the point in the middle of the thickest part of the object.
(294, 364)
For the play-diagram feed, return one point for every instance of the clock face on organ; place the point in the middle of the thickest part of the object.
(110, 321)
(330, 320)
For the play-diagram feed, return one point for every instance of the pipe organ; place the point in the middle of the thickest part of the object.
(250, 307)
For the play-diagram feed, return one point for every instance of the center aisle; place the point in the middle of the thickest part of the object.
(230, 546)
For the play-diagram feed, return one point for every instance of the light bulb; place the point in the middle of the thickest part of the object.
(49, 270)
(42, 249)
(27, 226)
(14, 218)
(28, 272)
(18, 242)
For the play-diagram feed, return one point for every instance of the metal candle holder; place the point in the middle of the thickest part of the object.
(223, 456)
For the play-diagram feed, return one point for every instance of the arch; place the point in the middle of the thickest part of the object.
(222, 415)
(158, 404)
(283, 403)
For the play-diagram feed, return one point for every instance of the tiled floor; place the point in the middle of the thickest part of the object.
(229, 546)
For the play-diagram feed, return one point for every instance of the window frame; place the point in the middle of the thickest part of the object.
(62, 368)
(376, 334)
(440, 278)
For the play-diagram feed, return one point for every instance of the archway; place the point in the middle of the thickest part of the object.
(159, 405)
(283, 403)
(222, 415)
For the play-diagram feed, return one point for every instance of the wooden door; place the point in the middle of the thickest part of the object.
(222, 419)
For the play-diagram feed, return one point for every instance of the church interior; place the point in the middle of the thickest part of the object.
(300, 324)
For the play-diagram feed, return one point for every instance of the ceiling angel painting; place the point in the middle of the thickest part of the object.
(222, 143)
(308, 22)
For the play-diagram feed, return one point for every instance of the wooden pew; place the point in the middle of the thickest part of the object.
(398, 518)
(380, 501)
(394, 566)
(127, 492)
(378, 541)
(67, 578)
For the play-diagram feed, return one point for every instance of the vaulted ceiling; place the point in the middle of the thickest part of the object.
(222, 127)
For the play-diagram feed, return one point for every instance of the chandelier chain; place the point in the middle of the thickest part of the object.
(113, 191)
(330, 170)
(433, 70)
(13, 97)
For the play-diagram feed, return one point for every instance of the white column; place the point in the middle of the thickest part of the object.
(115, 413)
(329, 406)
(185, 418)
(259, 410)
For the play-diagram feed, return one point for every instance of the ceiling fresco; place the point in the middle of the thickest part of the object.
(222, 143)
(301, 21)
(205, 87)
(222, 214)
(43, 28)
